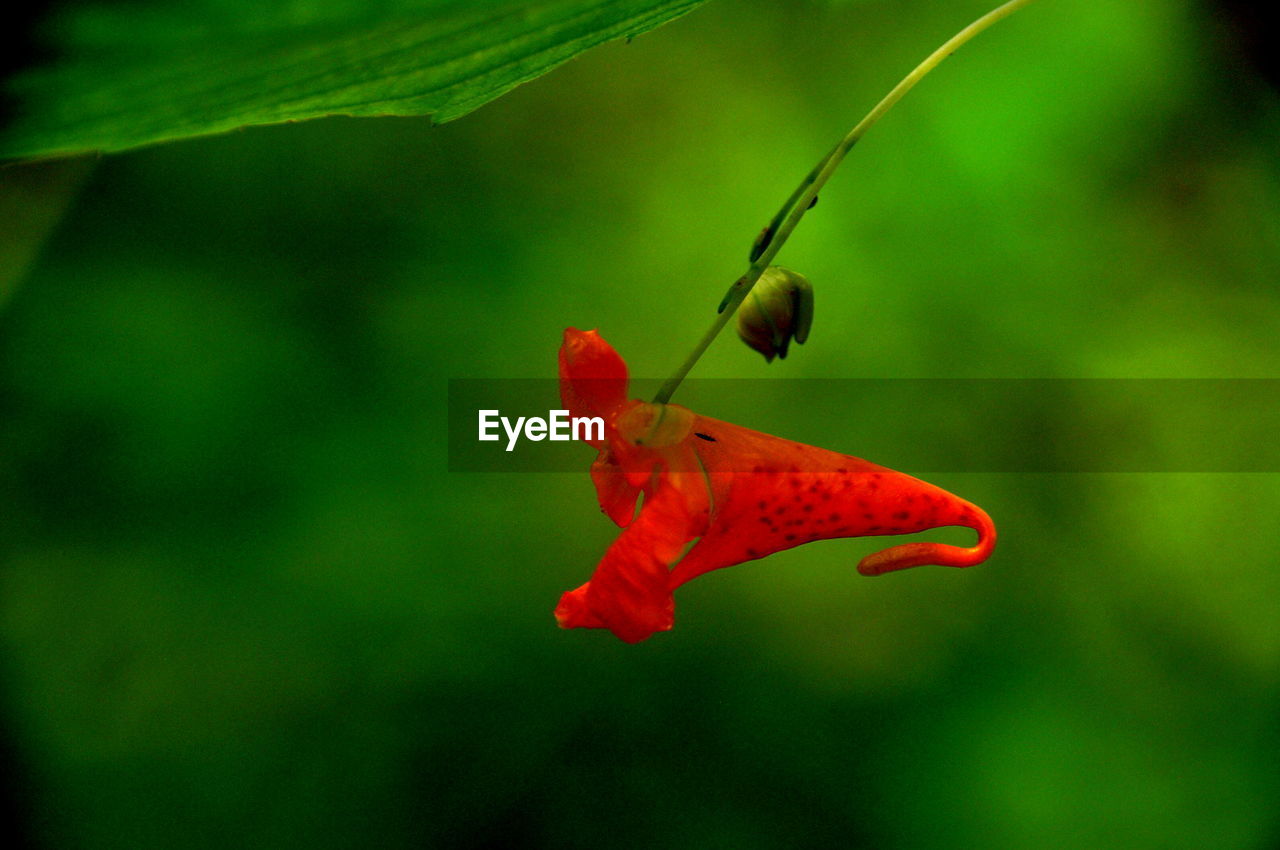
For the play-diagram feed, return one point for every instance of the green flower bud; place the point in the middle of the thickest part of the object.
(778, 309)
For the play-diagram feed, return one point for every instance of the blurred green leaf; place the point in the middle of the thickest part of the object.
(33, 197)
(131, 75)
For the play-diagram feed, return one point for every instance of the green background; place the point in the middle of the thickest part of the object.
(242, 602)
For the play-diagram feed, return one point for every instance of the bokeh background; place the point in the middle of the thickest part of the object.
(243, 603)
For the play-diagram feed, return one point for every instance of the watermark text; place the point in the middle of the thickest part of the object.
(559, 426)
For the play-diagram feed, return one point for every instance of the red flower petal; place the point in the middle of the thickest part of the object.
(630, 591)
(593, 377)
(617, 495)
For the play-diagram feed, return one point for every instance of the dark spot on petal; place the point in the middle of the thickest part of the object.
(901, 515)
(868, 516)
(835, 517)
(790, 537)
(701, 436)
(762, 504)
(807, 508)
(782, 509)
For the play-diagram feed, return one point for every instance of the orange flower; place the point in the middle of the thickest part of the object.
(738, 493)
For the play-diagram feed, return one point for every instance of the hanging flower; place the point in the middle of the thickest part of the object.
(740, 494)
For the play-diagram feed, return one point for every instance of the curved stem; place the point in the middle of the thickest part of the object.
(780, 228)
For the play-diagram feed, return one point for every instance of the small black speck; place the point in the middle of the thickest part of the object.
(701, 436)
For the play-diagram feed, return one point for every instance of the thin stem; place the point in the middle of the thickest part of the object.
(780, 229)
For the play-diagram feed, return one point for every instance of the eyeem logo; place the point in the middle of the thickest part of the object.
(558, 427)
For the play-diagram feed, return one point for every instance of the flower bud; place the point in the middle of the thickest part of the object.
(778, 309)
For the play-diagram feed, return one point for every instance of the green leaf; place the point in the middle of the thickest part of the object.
(131, 74)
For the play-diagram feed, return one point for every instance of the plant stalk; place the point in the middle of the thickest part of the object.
(780, 228)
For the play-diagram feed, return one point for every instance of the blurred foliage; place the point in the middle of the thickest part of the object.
(242, 602)
(130, 74)
(32, 201)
